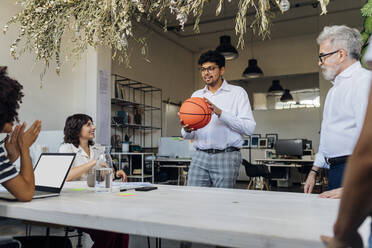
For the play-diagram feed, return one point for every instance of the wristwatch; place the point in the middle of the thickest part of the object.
(316, 172)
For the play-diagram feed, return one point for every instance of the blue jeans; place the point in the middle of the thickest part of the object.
(335, 175)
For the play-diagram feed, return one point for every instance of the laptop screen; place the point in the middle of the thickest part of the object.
(51, 169)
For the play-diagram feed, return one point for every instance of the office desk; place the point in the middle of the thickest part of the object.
(291, 161)
(225, 217)
(173, 160)
(286, 163)
(178, 163)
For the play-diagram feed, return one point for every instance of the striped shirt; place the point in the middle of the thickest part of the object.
(7, 169)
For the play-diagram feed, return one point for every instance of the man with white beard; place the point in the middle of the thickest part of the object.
(345, 105)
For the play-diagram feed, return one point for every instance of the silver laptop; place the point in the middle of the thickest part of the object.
(50, 173)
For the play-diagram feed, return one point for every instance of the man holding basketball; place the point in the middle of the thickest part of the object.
(217, 158)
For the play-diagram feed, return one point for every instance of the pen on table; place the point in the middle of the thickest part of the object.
(126, 189)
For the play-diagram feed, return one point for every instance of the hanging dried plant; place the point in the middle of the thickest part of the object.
(323, 5)
(44, 24)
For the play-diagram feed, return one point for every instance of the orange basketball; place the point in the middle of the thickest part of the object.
(195, 112)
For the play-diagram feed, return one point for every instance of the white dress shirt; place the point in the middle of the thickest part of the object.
(81, 156)
(227, 130)
(344, 113)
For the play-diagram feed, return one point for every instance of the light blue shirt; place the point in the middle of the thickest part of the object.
(236, 119)
(344, 113)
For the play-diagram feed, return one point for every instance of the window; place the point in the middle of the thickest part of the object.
(304, 98)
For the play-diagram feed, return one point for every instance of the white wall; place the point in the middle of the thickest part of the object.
(295, 123)
(291, 82)
(171, 122)
(59, 96)
(170, 68)
(98, 60)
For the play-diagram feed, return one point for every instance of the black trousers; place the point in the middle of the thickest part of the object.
(335, 175)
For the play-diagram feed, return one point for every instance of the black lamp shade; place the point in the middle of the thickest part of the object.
(226, 49)
(252, 71)
(275, 87)
(286, 97)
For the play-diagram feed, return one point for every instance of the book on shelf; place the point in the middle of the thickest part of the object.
(123, 93)
(118, 91)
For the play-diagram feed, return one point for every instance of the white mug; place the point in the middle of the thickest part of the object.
(125, 147)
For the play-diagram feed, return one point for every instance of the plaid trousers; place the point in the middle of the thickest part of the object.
(218, 170)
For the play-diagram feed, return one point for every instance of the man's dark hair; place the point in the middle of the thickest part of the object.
(212, 56)
(73, 126)
(10, 97)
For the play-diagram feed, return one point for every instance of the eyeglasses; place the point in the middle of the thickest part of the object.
(209, 69)
(326, 54)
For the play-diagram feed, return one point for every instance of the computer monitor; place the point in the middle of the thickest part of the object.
(289, 147)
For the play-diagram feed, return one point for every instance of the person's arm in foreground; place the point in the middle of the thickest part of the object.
(356, 203)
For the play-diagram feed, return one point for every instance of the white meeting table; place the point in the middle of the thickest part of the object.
(225, 217)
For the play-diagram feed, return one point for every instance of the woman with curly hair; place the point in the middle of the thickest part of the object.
(79, 133)
(22, 184)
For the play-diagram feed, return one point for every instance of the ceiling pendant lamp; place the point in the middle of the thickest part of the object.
(252, 71)
(226, 49)
(286, 97)
(275, 87)
(284, 5)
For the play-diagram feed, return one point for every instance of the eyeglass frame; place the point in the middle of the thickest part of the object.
(327, 54)
(210, 69)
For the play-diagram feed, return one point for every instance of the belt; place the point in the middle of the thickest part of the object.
(214, 151)
(336, 160)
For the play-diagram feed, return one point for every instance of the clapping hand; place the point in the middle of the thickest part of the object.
(25, 139)
(11, 145)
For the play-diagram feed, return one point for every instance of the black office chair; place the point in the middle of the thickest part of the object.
(9, 242)
(49, 241)
(255, 171)
(44, 242)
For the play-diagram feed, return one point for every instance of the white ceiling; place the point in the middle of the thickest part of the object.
(301, 20)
